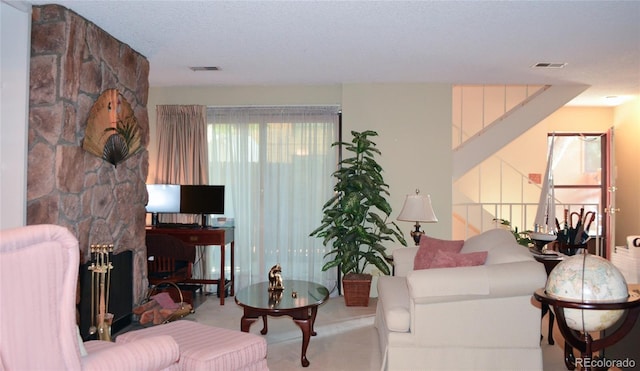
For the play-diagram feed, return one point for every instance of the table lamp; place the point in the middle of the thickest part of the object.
(417, 208)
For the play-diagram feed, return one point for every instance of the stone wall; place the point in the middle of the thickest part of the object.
(72, 63)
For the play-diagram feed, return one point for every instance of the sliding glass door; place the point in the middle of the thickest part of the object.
(276, 164)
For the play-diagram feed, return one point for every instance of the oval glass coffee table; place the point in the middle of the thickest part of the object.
(299, 300)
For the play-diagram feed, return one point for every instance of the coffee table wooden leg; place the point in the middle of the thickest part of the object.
(314, 311)
(305, 326)
(245, 323)
(264, 326)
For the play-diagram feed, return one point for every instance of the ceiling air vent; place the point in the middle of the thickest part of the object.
(204, 68)
(548, 65)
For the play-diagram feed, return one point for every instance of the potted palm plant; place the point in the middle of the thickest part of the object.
(355, 222)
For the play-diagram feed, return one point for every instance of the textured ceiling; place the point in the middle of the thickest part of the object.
(335, 42)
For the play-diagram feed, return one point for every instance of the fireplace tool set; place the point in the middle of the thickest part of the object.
(100, 268)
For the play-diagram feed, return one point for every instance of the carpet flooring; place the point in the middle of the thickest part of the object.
(346, 340)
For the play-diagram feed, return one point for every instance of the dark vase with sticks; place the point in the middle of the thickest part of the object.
(575, 232)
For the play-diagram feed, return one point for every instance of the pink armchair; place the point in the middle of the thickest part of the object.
(38, 277)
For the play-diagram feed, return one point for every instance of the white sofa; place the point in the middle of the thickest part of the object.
(479, 317)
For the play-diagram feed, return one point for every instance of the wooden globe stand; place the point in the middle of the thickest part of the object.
(583, 341)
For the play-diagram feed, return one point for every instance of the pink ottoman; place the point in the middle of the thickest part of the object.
(205, 347)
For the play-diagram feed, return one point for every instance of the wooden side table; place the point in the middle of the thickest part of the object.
(207, 237)
(550, 261)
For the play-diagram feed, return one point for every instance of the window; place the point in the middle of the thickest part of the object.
(276, 164)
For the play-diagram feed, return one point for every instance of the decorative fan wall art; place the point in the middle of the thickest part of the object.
(112, 128)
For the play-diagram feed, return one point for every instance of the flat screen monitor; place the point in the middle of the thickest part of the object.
(202, 199)
(163, 198)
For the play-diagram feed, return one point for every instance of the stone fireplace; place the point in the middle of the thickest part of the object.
(72, 63)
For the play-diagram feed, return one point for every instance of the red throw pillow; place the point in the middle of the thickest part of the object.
(429, 246)
(444, 259)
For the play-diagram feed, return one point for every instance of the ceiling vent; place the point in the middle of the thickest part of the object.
(548, 65)
(196, 69)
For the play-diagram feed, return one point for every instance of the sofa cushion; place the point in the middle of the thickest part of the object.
(501, 246)
(205, 347)
(445, 259)
(393, 293)
(501, 254)
(442, 283)
(403, 260)
(487, 239)
(429, 246)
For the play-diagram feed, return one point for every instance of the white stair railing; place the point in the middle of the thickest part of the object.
(475, 107)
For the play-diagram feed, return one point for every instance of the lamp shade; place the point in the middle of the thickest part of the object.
(417, 208)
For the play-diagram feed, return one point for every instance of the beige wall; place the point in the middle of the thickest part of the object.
(627, 151)
(529, 151)
(413, 122)
(414, 126)
(14, 69)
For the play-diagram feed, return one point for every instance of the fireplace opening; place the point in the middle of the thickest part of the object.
(120, 295)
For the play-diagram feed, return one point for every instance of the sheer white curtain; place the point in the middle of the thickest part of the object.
(276, 165)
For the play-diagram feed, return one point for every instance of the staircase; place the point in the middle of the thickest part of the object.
(513, 122)
(485, 119)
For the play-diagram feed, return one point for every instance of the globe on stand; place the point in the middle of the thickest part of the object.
(586, 278)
